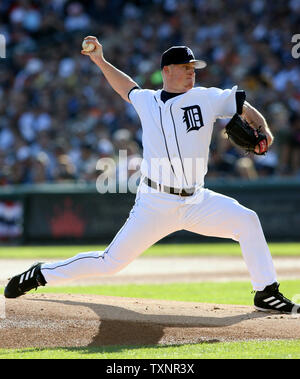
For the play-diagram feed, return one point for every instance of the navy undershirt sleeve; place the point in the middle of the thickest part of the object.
(240, 97)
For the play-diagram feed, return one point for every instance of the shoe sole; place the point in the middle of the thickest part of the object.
(270, 310)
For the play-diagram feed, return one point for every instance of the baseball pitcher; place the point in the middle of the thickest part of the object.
(177, 123)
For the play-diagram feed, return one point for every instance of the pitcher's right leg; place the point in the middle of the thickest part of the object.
(151, 219)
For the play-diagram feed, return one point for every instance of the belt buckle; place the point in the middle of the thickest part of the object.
(189, 192)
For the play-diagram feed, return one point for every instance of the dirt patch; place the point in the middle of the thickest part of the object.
(61, 320)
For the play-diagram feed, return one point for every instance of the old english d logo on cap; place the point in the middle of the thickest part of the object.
(179, 55)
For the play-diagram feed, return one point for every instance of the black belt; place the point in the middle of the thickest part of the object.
(171, 190)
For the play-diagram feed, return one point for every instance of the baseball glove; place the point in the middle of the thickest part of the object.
(244, 136)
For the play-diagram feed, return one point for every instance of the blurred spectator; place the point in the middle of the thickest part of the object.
(76, 18)
(65, 171)
(88, 161)
(58, 115)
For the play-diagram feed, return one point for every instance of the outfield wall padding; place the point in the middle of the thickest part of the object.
(76, 213)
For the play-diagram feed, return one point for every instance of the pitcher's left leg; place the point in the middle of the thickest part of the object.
(221, 216)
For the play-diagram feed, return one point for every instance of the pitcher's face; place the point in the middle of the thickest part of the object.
(179, 77)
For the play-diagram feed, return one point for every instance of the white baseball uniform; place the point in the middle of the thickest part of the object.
(176, 138)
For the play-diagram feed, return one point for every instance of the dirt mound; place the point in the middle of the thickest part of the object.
(50, 320)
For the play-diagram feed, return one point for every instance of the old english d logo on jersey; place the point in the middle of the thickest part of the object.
(192, 117)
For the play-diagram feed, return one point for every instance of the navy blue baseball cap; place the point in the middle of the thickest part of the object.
(179, 55)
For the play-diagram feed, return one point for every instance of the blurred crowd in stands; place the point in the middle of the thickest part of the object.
(58, 115)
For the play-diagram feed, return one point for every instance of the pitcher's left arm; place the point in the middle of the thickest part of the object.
(256, 120)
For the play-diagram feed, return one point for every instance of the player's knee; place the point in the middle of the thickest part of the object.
(252, 215)
(112, 266)
(248, 217)
(246, 222)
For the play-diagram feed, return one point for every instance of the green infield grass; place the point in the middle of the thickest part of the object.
(158, 250)
(203, 292)
(237, 292)
(272, 349)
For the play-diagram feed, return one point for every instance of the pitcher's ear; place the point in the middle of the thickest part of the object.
(165, 70)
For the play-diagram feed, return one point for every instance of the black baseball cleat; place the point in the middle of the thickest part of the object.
(20, 284)
(271, 300)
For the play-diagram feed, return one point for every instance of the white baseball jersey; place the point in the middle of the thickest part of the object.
(176, 139)
(177, 133)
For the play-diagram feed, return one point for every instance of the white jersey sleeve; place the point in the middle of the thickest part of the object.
(139, 98)
(223, 102)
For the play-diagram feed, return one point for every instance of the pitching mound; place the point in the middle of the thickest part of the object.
(50, 320)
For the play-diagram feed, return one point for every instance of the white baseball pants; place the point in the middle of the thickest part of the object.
(155, 215)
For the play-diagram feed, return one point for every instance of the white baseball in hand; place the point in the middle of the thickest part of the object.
(88, 46)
